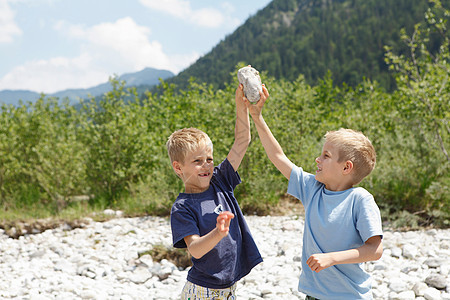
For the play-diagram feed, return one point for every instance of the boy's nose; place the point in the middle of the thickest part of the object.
(317, 159)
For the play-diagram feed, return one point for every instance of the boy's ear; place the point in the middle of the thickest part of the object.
(177, 167)
(348, 167)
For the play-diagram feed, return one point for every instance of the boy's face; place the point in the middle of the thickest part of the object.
(329, 170)
(197, 169)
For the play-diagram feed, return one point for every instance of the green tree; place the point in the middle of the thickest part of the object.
(423, 101)
(42, 158)
(423, 79)
(119, 144)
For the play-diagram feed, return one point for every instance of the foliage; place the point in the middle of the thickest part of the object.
(112, 150)
(119, 143)
(42, 159)
(423, 102)
(423, 79)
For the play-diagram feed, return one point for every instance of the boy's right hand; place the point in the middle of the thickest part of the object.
(255, 109)
(223, 222)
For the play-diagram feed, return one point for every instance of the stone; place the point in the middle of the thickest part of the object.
(409, 251)
(407, 295)
(146, 260)
(432, 232)
(410, 268)
(109, 212)
(396, 252)
(249, 78)
(434, 262)
(419, 288)
(432, 294)
(380, 266)
(397, 285)
(445, 269)
(436, 281)
(141, 275)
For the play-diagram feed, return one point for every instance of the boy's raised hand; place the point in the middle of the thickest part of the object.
(255, 109)
(239, 97)
(223, 222)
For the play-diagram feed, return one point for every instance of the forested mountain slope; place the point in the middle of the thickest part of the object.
(292, 37)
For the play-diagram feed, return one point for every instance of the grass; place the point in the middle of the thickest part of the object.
(179, 257)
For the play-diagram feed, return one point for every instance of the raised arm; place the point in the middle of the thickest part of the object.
(241, 131)
(270, 144)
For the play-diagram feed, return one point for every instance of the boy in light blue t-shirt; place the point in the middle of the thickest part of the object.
(342, 223)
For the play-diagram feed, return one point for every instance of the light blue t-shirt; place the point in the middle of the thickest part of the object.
(334, 221)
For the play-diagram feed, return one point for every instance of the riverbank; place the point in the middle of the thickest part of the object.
(101, 260)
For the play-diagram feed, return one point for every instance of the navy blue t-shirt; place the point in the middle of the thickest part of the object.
(236, 254)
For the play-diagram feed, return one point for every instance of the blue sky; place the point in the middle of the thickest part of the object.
(52, 45)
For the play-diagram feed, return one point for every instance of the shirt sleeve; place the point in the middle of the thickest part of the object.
(183, 224)
(225, 174)
(368, 221)
(301, 184)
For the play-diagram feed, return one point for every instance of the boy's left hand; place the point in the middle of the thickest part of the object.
(320, 261)
(256, 108)
(223, 222)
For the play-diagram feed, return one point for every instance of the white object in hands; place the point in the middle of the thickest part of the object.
(249, 77)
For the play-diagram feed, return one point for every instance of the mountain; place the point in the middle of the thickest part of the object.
(13, 96)
(147, 77)
(292, 37)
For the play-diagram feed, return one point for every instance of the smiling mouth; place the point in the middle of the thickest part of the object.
(204, 174)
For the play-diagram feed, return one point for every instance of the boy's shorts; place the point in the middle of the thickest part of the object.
(192, 291)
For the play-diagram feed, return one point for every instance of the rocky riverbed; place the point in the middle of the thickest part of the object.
(107, 260)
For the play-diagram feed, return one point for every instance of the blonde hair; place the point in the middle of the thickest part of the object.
(186, 140)
(356, 147)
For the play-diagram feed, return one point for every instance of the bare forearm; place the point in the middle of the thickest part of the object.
(371, 250)
(354, 256)
(272, 147)
(242, 137)
(268, 141)
(199, 246)
(242, 129)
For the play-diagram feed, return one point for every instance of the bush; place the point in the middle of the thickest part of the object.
(113, 148)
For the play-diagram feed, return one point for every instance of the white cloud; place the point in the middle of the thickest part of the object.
(181, 9)
(8, 27)
(127, 44)
(105, 49)
(54, 75)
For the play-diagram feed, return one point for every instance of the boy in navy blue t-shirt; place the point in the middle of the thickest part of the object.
(206, 219)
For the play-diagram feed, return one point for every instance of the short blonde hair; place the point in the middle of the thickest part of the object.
(186, 140)
(356, 147)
